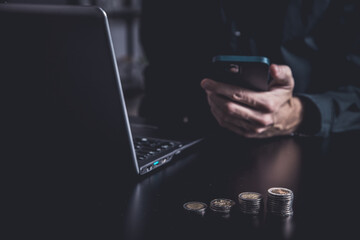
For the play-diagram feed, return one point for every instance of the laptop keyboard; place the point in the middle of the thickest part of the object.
(147, 148)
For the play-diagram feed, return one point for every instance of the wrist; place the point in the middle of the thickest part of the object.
(311, 120)
(297, 113)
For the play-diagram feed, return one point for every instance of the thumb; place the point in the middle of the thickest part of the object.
(281, 77)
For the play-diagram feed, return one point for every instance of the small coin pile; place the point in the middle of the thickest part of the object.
(196, 207)
(250, 202)
(221, 205)
(280, 201)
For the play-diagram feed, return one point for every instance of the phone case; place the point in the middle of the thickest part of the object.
(250, 72)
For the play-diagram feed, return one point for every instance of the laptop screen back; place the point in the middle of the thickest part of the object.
(60, 85)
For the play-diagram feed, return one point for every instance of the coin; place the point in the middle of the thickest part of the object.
(250, 196)
(222, 205)
(280, 201)
(280, 191)
(194, 206)
(250, 202)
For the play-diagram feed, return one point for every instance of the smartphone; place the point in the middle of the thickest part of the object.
(250, 72)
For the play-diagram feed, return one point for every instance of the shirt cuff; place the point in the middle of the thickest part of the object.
(318, 115)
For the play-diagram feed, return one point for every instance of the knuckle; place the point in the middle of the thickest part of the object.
(266, 120)
(236, 96)
(287, 70)
(270, 106)
(229, 109)
(252, 102)
(240, 95)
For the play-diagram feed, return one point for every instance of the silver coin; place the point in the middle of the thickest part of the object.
(280, 191)
(195, 206)
(250, 202)
(280, 201)
(250, 196)
(221, 205)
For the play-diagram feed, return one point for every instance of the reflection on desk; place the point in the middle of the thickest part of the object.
(321, 173)
(304, 165)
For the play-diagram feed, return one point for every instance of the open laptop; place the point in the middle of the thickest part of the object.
(60, 80)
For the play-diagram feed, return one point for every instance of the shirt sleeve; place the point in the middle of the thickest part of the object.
(331, 112)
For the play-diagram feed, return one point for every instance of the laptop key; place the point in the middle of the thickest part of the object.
(146, 147)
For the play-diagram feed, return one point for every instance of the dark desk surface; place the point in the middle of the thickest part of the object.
(322, 174)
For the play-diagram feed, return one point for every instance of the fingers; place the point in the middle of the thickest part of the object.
(250, 113)
(241, 129)
(233, 123)
(250, 98)
(226, 112)
(282, 77)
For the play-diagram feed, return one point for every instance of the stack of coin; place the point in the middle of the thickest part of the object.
(250, 202)
(196, 207)
(222, 205)
(280, 201)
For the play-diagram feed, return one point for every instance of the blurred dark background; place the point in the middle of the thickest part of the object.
(124, 20)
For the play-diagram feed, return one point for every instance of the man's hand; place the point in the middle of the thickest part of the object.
(257, 114)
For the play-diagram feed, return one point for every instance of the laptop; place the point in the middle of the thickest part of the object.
(59, 77)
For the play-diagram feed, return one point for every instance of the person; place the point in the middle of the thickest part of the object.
(314, 47)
